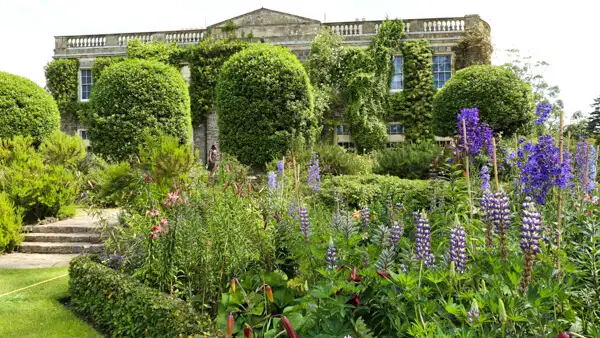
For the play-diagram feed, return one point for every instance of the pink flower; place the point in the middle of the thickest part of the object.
(164, 221)
(148, 213)
(153, 236)
(172, 198)
(154, 212)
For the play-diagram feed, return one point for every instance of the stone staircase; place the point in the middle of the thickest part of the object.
(70, 236)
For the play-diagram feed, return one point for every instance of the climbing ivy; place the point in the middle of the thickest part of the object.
(418, 90)
(62, 82)
(474, 48)
(160, 51)
(102, 62)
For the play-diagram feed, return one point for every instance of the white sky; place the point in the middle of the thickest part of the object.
(563, 33)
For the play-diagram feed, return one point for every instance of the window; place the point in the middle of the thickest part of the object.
(342, 130)
(395, 129)
(398, 77)
(83, 133)
(442, 70)
(86, 84)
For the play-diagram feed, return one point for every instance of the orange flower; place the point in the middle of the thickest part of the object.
(269, 293)
(230, 322)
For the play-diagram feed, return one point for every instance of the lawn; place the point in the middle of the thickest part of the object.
(37, 311)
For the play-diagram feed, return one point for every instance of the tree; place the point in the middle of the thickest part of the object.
(594, 118)
(26, 109)
(264, 104)
(505, 102)
(132, 96)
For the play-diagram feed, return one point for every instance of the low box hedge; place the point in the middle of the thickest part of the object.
(358, 190)
(123, 307)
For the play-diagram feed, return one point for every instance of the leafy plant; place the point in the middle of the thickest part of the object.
(10, 224)
(64, 150)
(408, 160)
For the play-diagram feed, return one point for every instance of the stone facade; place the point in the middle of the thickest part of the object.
(269, 26)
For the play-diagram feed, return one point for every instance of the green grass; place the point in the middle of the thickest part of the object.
(37, 312)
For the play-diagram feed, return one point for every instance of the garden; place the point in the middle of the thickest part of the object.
(492, 235)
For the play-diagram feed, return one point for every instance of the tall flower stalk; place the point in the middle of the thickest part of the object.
(331, 256)
(314, 173)
(458, 249)
(530, 240)
(501, 219)
(423, 239)
(304, 223)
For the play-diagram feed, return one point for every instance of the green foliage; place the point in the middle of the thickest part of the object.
(265, 103)
(132, 96)
(504, 101)
(62, 82)
(64, 150)
(358, 190)
(26, 109)
(10, 225)
(36, 186)
(324, 61)
(418, 90)
(112, 184)
(334, 160)
(205, 61)
(594, 118)
(408, 160)
(156, 51)
(474, 48)
(101, 63)
(125, 308)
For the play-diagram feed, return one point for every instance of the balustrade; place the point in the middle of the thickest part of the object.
(89, 41)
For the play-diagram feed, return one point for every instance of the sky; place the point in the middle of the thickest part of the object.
(562, 33)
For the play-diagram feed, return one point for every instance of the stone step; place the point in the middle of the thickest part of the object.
(62, 228)
(90, 237)
(59, 248)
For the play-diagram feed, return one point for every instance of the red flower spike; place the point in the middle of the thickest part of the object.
(287, 326)
(230, 322)
(247, 332)
(383, 274)
(269, 293)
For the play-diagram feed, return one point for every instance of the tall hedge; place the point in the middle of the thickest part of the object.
(504, 101)
(62, 82)
(264, 102)
(418, 90)
(26, 109)
(132, 96)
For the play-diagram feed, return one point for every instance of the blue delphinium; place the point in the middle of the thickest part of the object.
(542, 113)
(331, 256)
(485, 178)
(458, 248)
(423, 239)
(541, 168)
(293, 212)
(280, 167)
(272, 182)
(585, 152)
(479, 134)
(314, 173)
(304, 223)
(591, 182)
(531, 230)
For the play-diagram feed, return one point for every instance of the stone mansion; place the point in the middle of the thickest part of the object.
(269, 26)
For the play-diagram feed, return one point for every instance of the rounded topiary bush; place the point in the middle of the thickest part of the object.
(504, 101)
(264, 103)
(26, 109)
(133, 96)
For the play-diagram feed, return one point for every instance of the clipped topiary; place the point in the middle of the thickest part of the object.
(264, 103)
(133, 96)
(26, 109)
(504, 101)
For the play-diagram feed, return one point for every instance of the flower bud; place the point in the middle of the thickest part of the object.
(502, 311)
(269, 293)
(247, 332)
(232, 285)
(230, 322)
(287, 326)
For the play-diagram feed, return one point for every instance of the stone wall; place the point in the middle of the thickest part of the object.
(212, 130)
(199, 139)
(70, 125)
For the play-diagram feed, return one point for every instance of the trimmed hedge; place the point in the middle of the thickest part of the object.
(123, 307)
(134, 95)
(26, 109)
(265, 104)
(357, 190)
(62, 82)
(504, 101)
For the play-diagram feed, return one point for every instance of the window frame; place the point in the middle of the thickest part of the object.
(346, 130)
(389, 128)
(81, 84)
(396, 90)
(450, 71)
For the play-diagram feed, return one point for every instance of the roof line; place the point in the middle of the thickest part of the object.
(256, 10)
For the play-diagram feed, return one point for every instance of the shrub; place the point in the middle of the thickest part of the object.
(26, 109)
(62, 149)
(62, 82)
(408, 160)
(156, 50)
(10, 225)
(334, 160)
(358, 190)
(39, 190)
(132, 96)
(113, 183)
(264, 101)
(123, 307)
(504, 101)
